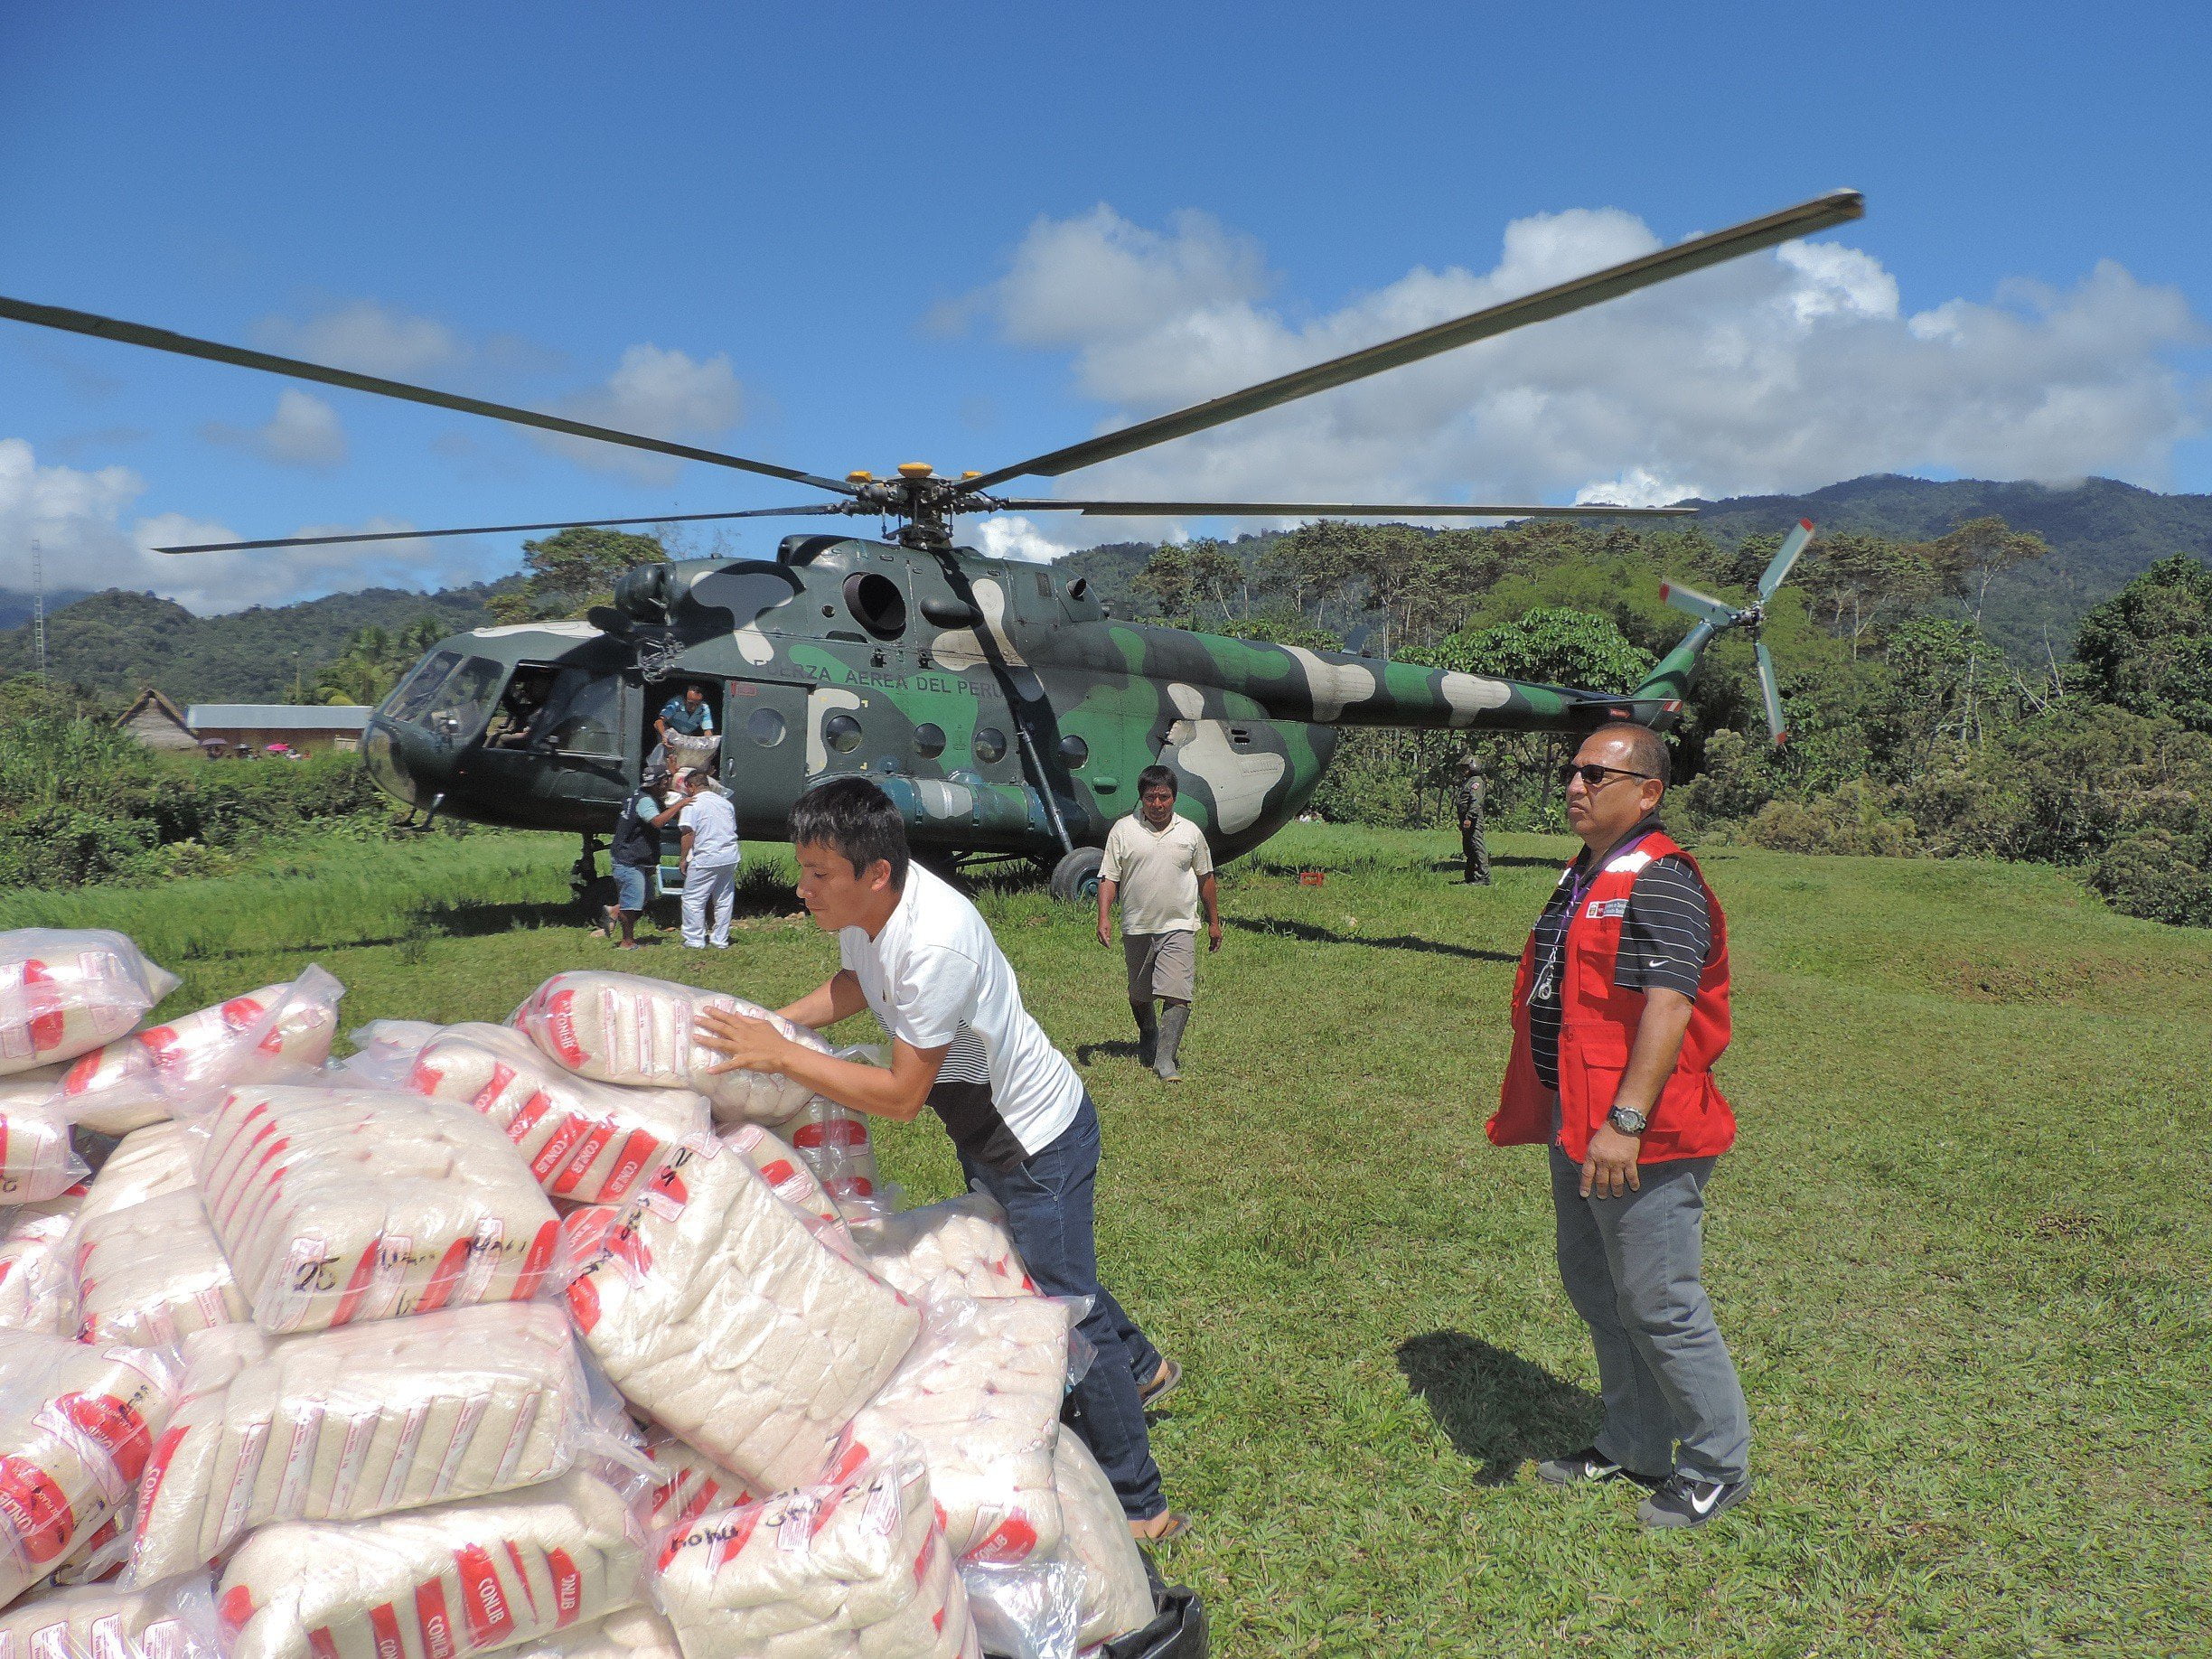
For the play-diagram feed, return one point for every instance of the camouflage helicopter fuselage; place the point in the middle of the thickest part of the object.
(994, 700)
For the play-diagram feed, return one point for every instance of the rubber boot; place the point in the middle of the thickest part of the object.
(1174, 1017)
(1147, 1032)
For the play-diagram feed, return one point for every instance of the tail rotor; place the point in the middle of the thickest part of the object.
(1720, 617)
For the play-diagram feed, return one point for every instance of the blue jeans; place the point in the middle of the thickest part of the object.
(1048, 1198)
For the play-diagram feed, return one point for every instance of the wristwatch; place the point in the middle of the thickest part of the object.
(1628, 1120)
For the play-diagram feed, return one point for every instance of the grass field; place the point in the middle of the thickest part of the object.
(1961, 1250)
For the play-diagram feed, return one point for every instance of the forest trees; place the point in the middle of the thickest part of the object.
(572, 570)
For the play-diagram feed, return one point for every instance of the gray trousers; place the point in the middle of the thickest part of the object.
(1630, 1266)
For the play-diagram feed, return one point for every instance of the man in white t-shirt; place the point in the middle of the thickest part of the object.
(1158, 865)
(923, 959)
(710, 859)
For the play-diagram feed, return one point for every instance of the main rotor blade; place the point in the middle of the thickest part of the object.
(493, 529)
(1337, 510)
(1785, 555)
(1803, 219)
(185, 345)
(1772, 693)
(1703, 606)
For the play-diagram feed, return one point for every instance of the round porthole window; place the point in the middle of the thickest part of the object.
(842, 732)
(765, 728)
(929, 740)
(876, 603)
(990, 744)
(1074, 750)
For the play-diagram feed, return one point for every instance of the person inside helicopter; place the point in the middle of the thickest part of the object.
(687, 713)
(517, 719)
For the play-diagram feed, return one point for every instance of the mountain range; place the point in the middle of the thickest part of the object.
(2102, 533)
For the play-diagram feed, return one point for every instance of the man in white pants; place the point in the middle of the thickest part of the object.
(710, 857)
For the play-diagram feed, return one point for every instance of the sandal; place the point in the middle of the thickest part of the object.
(1168, 1378)
(1175, 1526)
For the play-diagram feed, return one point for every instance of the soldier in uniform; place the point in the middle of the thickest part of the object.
(1467, 809)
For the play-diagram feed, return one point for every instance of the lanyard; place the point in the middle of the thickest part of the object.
(1547, 976)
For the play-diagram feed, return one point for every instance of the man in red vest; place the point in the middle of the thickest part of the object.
(1619, 1011)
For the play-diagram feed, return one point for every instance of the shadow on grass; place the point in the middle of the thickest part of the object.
(1498, 1409)
(1509, 861)
(1090, 1053)
(1311, 934)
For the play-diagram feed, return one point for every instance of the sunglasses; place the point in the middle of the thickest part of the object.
(1594, 776)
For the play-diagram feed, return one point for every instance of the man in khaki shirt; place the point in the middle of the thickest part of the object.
(1159, 867)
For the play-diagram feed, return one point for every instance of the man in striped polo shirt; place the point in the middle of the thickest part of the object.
(1620, 1009)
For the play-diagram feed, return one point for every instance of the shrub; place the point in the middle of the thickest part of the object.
(1851, 821)
(2159, 876)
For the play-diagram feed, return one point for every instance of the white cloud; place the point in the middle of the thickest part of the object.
(1780, 372)
(304, 431)
(655, 393)
(82, 521)
(365, 335)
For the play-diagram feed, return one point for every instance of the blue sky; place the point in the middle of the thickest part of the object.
(839, 236)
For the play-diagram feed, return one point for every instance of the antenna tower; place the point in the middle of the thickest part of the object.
(38, 604)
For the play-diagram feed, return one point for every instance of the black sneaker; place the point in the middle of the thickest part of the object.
(1686, 1501)
(1588, 1466)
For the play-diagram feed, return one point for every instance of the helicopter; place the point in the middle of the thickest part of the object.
(994, 700)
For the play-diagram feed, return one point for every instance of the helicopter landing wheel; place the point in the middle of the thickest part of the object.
(1075, 878)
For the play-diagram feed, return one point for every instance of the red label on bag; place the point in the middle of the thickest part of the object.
(160, 1042)
(567, 1587)
(557, 1146)
(523, 1577)
(321, 1643)
(586, 1156)
(79, 1076)
(629, 1164)
(488, 1096)
(35, 1509)
(835, 1132)
(48, 1028)
(482, 1602)
(584, 1303)
(235, 1607)
(445, 1276)
(425, 1078)
(534, 1264)
(384, 1629)
(559, 1021)
(526, 1119)
(241, 1012)
(437, 1624)
(357, 1287)
(1011, 1543)
(777, 1173)
(117, 1426)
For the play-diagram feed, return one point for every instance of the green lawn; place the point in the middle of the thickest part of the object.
(1960, 1251)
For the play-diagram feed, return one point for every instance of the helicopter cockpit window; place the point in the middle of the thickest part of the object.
(413, 694)
(582, 715)
(463, 703)
(765, 728)
(990, 744)
(929, 740)
(876, 603)
(842, 732)
(519, 720)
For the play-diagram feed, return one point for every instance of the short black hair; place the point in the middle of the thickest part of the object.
(856, 821)
(1155, 777)
(1646, 748)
